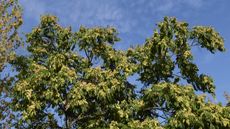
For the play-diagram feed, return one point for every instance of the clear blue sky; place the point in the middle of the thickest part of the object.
(136, 19)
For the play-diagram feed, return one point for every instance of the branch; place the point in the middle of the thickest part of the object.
(89, 56)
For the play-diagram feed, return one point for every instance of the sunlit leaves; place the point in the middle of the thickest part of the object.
(208, 38)
(84, 80)
(169, 50)
(10, 21)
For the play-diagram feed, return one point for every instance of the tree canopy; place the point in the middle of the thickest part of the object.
(80, 80)
(10, 21)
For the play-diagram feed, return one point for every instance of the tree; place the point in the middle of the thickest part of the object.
(227, 96)
(79, 80)
(10, 21)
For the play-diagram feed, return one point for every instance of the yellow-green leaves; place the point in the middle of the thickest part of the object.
(10, 21)
(146, 124)
(188, 110)
(167, 57)
(81, 79)
(208, 38)
(96, 41)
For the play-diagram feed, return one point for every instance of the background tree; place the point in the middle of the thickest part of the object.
(79, 80)
(10, 21)
(227, 96)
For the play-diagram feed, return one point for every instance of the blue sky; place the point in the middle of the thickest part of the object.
(136, 19)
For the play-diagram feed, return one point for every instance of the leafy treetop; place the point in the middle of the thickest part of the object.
(79, 80)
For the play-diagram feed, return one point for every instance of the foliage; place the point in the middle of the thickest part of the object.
(79, 78)
(10, 21)
(228, 98)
